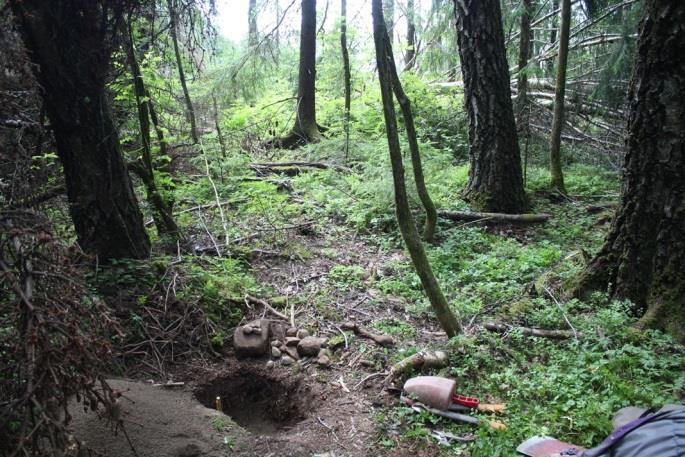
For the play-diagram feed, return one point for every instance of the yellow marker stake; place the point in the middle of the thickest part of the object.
(218, 405)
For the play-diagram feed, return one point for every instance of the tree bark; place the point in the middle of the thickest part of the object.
(161, 211)
(522, 75)
(219, 133)
(421, 189)
(252, 38)
(559, 94)
(410, 54)
(347, 75)
(553, 33)
(447, 319)
(495, 181)
(643, 257)
(72, 54)
(389, 17)
(173, 28)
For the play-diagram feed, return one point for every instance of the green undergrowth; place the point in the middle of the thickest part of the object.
(507, 273)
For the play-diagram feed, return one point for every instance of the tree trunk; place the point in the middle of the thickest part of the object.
(161, 212)
(559, 94)
(389, 15)
(306, 130)
(553, 34)
(347, 76)
(447, 319)
(524, 53)
(173, 17)
(495, 180)
(421, 189)
(219, 134)
(410, 54)
(252, 38)
(72, 53)
(643, 258)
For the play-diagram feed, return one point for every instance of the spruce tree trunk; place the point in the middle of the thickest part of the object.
(72, 55)
(389, 15)
(252, 24)
(557, 182)
(306, 128)
(447, 319)
(161, 212)
(173, 28)
(643, 258)
(347, 75)
(410, 54)
(524, 53)
(495, 181)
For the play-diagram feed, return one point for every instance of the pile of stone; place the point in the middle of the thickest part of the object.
(263, 337)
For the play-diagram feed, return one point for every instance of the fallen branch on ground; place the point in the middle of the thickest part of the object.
(492, 217)
(599, 207)
(265, 304)
(378, 338)
(293, 168)
(420, 361)
(528, 331)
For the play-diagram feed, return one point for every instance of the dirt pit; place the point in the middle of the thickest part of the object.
(260, 403)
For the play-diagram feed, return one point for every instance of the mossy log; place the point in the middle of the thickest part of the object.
(528, 218)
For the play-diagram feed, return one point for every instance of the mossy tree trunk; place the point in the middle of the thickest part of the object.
(173, 29)
(252, 37)
(72, 56)
(417, 166)
(643, 258)
(446, 317)
(495, 179)
(347, 75)
(557, 182)
(410, 53)
(161, 211)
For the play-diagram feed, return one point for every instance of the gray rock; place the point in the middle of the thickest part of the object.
(287, 360)
(302, 333)
(292, 331)
(270, 364)
(276, 343)
(310, 346)
(291, 352)
(247, 330)
(189, 450)
(324, 358)
(292, 341)
(252, 344)
(275, 353)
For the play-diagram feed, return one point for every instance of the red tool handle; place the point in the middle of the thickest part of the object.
(470, 402)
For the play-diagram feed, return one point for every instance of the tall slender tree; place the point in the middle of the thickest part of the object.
(559, 95)
(161, 210)
(72, 56)
(347, 75)
(252, 23)
(495, 180)
(384, 57)
(410, 53)
(173, 29)
(643, 258)
(306, 129)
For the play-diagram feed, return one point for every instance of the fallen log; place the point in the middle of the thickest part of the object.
(528, 331)
(599, 207)
(293, 168)
(422, 360)
(378, 338)
(493, 217)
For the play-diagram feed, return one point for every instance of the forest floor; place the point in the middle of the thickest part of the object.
(321, 247)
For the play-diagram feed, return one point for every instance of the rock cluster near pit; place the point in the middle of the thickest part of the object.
(267, 338)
